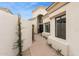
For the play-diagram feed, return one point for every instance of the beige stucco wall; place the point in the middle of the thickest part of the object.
(72, 28)
(34, 22)
(70, 45)
(8, 35)
(26, 34)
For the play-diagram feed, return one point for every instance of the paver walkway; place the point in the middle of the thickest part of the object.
(41, 48)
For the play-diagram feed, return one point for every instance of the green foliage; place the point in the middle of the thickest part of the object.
(59, 52)
(18, 43)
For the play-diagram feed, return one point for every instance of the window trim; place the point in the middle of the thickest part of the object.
(56, 27)
(49, 27)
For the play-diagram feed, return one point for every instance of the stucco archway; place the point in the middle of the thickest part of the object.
(40, 23)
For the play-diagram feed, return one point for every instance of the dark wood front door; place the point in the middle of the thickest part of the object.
(40, 28)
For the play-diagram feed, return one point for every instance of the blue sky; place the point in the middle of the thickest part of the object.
(23, 8)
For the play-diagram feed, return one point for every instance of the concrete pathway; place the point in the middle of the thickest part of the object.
(41, 48)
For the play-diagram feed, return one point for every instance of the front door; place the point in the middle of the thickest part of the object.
(40, 28)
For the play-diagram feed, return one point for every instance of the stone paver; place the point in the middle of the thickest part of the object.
(41, 48)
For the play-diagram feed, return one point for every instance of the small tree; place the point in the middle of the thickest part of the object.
(19, 41)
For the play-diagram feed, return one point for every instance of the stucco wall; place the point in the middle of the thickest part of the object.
(34, 22)
(8, 34)
(8, 29)
(26, 34)
(72, 30)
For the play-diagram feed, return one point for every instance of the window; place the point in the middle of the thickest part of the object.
(60, 26)
(47, 27)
